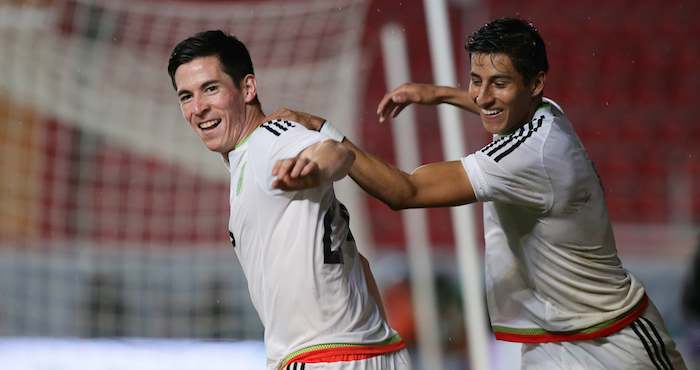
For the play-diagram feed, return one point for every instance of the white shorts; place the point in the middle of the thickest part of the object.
(644, 344)
(398, 360)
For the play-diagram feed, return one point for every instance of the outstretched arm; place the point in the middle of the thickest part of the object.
(439, 184)
(396, 100)
(433, 185)
(324, 161)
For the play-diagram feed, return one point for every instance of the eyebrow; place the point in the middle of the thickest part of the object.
(494, 77)
(203, 85)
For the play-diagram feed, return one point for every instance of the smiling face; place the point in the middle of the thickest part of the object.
(211, 102)
(498, 89)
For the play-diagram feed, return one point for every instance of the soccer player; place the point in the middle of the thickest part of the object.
(554, 281)
(311, 288)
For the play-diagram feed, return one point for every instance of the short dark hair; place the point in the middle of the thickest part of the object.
(232, 54)
(516, 38)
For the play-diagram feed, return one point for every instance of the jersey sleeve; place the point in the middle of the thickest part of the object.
(275, 140)
(519, 180)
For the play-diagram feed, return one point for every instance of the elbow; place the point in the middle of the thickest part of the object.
(347, 160)
(397, 203)
(403, 196)
(349, 157)
(394, 205)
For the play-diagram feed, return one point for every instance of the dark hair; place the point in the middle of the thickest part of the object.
(516, 38)
(232, 54)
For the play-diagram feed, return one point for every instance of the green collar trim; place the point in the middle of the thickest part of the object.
(245, 140)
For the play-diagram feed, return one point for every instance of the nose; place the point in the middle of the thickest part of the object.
(484, 98)
(199, 106)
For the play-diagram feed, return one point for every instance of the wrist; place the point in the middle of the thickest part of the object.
(331, 131)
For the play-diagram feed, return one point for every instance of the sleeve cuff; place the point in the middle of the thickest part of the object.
(476, 177)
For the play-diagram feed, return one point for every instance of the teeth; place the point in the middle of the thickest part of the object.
(491, 112)
(208, 124)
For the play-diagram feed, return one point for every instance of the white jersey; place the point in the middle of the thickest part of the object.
(552, 270)
(298, 255)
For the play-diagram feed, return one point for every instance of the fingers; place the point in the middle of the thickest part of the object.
(291, 167)
(311, 168)
(295, 174)
(282, 167)
(299, 165)
(283, 113)
(287, 183)
(397, 109)
(391, 111)
(309, 121)
(386, 106)
(394, 102)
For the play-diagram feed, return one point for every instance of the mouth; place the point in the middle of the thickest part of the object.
(209, 125)
(491, 112)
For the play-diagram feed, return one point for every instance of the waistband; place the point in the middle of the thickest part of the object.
(538, 335)
(336, 352)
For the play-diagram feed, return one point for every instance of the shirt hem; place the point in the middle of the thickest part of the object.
(603, 329)
(337, 352)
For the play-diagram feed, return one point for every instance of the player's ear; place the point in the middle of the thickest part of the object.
(249, 88)
(537, 84)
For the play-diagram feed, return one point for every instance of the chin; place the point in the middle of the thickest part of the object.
(219, 149)
(213, 146)
(492, 128)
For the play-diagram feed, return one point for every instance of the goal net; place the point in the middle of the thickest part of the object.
(113, 217)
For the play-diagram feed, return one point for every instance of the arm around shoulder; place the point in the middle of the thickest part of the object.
(433, 185)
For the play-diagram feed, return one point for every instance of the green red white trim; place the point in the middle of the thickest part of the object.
(538, 335)
(336, 352)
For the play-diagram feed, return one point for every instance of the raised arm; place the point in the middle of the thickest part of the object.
(396, 100)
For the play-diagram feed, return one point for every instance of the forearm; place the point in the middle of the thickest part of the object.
(381, 180)
(334, 160)
(454, 96)
(439, 184)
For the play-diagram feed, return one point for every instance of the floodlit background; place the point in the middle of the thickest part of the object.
(113, 215)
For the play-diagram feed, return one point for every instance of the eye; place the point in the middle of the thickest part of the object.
(211, 88)
(185, 97)
(476, 82)
(500, 84)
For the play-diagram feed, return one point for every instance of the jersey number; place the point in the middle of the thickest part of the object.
(334, 256)
(233, 240)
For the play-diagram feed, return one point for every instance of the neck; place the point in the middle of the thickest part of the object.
(533, 108)
(254, 117)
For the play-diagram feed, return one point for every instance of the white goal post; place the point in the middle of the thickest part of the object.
(462, 217)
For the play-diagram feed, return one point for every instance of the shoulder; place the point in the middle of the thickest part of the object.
(272, 131)
(510, 169)
(561, 142)
(520, 150)
(280, 133)
(512, 145)
(279, 139)
(277, 127)
(548, 133)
